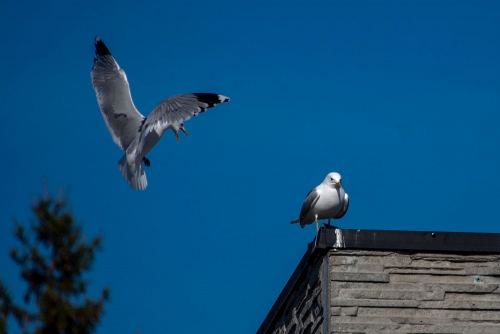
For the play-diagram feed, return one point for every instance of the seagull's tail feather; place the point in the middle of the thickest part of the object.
(295, 221)
(136, 178)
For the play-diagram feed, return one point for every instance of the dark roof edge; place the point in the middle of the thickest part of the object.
(331, 237)
(421, 241)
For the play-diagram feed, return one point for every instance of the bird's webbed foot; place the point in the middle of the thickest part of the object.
(146, 161)
(176, 129)
(183, 129)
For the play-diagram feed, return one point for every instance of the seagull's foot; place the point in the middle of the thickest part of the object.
(146, 162)
(183, 129)
(316, 220)
(176, 129)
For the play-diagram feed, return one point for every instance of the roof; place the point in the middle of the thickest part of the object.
(331, 237)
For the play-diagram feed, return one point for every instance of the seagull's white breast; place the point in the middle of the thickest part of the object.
(330, 202)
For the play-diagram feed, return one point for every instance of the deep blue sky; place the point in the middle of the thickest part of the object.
(401, 98)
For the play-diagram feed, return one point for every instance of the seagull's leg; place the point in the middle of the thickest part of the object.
(316, 220)
(146, 161)
(183, 129)
(329, 220)
(176, 134)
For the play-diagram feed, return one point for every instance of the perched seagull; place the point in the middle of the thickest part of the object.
(327, 200)
(131, 131)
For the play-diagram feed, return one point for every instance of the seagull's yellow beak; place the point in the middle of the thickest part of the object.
(339, 184)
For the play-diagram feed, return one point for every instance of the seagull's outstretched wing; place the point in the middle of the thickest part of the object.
(176, 110)
(344, 208)
(113, 95)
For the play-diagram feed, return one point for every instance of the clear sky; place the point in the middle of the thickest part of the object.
(401, 97)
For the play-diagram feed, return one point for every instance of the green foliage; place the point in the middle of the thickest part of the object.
(53, 264)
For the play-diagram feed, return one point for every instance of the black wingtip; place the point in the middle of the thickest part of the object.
(211, 99)
(100, 48)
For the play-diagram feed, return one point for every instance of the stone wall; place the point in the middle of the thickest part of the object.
(304, 309)
(390, 292)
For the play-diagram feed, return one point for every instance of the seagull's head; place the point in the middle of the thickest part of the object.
(333, 180)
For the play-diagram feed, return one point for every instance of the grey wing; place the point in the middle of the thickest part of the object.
(113, 96)
(344, 208)
(179, 108)
(311, 199)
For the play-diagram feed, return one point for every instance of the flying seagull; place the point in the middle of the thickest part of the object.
(325, 201)
(130, 130)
